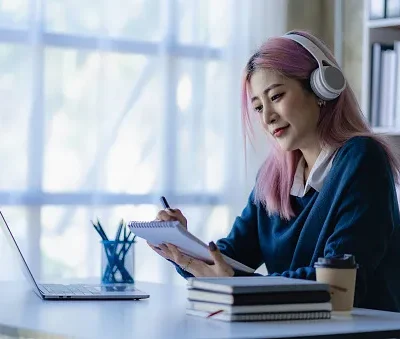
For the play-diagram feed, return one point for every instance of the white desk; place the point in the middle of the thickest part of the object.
(163, 316)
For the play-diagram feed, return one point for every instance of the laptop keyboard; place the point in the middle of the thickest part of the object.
(68, 289)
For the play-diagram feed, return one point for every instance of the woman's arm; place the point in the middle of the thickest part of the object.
(242, 242)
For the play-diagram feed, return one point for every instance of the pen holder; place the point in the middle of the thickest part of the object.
(117, 262)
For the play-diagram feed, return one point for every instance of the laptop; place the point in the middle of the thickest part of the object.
(71, 291)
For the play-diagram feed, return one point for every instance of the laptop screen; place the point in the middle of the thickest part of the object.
(18, 254)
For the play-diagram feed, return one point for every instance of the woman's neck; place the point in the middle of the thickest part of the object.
(310, 156)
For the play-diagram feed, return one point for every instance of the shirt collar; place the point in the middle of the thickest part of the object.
(317, 175)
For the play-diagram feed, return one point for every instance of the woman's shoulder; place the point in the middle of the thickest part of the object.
(362, 147)
(362, 151)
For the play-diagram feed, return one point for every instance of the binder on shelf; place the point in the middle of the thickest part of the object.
(383, 85)
(376, 9)
(375, 84)
(392, 9)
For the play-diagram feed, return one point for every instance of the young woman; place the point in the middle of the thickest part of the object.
(326, 189)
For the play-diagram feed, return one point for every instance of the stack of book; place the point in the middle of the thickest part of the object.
(258, 299)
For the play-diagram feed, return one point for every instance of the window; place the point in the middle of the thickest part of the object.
(105, 106)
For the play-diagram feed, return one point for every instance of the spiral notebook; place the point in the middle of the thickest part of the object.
(268, 316)
(212, 307)
(158, 232)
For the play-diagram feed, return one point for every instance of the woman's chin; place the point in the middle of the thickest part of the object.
(286, 145)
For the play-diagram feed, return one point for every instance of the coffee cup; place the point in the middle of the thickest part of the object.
(339, 272)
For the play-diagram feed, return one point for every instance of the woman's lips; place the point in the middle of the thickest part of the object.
(279, 131)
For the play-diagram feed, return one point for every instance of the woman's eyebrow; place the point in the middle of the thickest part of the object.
(265, 91)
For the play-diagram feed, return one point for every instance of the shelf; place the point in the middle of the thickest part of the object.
(387, 130)
(382, 23)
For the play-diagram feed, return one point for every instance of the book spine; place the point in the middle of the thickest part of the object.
(260, 299)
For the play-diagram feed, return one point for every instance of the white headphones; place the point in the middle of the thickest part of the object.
(327, 81)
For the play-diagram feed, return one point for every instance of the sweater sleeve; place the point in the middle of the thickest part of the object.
(366, 212)
(242, 243)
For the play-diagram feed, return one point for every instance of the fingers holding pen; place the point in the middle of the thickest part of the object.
(163, 215)
(176, 214)
(170, 214)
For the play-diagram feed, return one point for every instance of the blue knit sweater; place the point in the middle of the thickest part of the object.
(355, 212)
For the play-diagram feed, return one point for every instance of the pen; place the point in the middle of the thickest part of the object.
(125, 238)
(164, 202)
(98, 231)
(118, 235)
(101, 230)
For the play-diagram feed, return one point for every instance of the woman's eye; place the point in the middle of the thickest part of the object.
(276, 96)
(258, 109)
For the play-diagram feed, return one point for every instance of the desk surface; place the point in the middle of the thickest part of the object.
(163, 316)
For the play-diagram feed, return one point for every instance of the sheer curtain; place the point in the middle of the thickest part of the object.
(106, 105)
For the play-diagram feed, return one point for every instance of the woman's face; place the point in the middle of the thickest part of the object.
(287, 111)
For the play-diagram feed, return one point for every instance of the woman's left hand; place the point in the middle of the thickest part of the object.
(194, 266)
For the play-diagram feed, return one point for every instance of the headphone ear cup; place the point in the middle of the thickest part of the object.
(318, 86)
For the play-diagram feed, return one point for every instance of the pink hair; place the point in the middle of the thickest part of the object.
(340, 120)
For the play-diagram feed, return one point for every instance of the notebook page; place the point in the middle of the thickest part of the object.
(158, 232)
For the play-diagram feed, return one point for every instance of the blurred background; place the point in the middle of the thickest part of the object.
(106, 105)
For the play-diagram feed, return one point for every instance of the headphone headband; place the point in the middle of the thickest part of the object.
(327, 81)
(314, 50)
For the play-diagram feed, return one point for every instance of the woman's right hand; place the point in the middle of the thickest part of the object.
(169, 214)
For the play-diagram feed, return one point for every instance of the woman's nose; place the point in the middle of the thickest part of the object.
(269, 117)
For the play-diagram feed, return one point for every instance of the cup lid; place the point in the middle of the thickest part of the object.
(338, 261)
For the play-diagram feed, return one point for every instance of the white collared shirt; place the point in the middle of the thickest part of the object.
(317, 175)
